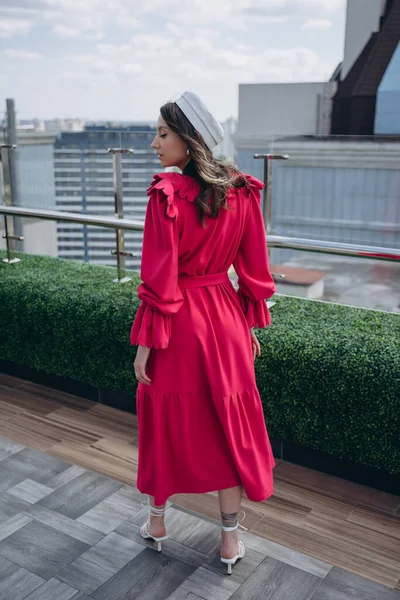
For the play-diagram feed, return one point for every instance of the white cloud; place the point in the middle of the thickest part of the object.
(198, 44)
(21, 54)
(292, 7)
(91, 17)
(131, 68)
(70, 33)
(113, 49)
(175, 29)
(127, 21)
(152, 49)
(66, 33)
(152, 42)
(11, 27)
(317, 24)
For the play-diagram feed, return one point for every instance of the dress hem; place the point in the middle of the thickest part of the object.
(252, 497)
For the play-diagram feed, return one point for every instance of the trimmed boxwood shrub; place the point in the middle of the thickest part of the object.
(329, 375)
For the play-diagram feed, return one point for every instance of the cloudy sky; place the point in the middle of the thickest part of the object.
(121, 59)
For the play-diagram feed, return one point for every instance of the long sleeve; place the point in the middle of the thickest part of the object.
(159, 292)
(251, 263)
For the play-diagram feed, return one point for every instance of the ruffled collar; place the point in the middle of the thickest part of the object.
(184, 185)
(172, 185)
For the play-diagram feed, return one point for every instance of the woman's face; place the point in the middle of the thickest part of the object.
(171, 149)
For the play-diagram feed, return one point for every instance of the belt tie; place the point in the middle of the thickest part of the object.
(197, 281)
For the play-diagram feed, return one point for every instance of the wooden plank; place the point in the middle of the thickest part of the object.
(311, 499)
(118, 448)
(10, 381)
(27, 402)
(59, 432)
(335, 487)
(341, 553)
(7, 410)
(88, 422)
(376, 520)
(354, 535)
(57, 396)
(33, 439)
(96, 460)
(284, 510)
(117, 416)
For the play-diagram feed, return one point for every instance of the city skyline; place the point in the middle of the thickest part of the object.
(92, 61)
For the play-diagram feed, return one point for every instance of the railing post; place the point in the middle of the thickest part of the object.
(6, 195)
(14, 170)
(119, 211)
(267, 196)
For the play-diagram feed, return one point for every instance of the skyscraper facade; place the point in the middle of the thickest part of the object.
(84, 182)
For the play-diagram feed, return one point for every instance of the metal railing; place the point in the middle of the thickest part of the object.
(275, 241)
(120, 224)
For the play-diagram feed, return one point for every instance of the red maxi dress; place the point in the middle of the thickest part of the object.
(201, 425)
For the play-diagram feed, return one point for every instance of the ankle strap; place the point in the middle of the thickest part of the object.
(230, 528)
(237, 524)
(155, 512)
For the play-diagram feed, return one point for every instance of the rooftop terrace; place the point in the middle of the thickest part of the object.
(70, 517)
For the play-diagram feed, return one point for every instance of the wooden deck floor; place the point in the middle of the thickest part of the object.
(345, 524)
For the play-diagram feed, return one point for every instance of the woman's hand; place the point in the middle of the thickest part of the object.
(255, 343)
(139, 365)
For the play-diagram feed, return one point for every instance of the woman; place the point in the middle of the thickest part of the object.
(200, 418)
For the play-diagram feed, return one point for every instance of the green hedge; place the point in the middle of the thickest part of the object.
(329, 375)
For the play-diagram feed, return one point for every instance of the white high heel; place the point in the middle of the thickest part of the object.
(144, 530)
(241, 547)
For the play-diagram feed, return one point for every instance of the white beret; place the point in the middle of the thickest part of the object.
(200, 117)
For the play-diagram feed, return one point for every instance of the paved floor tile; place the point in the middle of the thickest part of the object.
(53, 589)
(342, 585)
(31, 464)
(19, 585)
(41, 549)
(274, 580)
(78, 496)
(113, 552)
(30, 491)
(149, 576)
(84, 576)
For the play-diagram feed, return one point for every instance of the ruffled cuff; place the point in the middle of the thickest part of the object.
(256, 311)
(151, 328)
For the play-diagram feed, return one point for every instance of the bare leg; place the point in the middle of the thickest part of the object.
(157, 527)
(229, 504)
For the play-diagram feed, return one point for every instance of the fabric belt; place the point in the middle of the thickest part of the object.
(203, 280)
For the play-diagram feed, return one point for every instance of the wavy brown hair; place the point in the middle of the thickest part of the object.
(214, 176)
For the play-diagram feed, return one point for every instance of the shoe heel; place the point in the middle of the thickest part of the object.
(229, 568)
(159, 549)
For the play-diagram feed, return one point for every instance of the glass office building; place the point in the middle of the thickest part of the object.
(84, 182)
